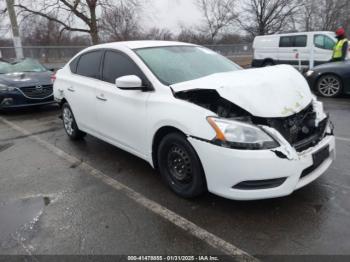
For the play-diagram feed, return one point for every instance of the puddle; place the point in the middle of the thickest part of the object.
(18, 218)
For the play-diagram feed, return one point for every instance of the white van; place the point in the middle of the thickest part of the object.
(293, 49)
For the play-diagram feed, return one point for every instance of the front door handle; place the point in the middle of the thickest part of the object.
(71, 89)
(101, 97)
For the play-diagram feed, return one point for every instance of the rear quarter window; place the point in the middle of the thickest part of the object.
(73, 65)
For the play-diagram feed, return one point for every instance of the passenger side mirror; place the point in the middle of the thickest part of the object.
(130, 82)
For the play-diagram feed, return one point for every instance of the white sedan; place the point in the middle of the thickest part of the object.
(198, 118)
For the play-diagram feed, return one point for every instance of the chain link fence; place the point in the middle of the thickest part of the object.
(57, 56)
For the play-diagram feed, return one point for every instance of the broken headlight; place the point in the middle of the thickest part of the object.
(240, 135)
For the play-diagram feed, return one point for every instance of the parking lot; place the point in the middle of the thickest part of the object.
(88, 197)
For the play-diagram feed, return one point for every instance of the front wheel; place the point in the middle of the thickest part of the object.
(70, 125)
(329, 86)
(180, 166)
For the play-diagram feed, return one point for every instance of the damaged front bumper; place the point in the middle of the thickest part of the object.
(262, 174)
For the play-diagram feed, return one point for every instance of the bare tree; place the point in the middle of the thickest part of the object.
(122, 22)
(40, 31)
(263, 17)
(324, 14)
(66, 12)
(158, 34)
(218, 15)
(332, 12)
(307, 16)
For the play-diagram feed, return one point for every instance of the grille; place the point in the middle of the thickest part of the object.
(300, 129)
(260, 184)
(37, 92)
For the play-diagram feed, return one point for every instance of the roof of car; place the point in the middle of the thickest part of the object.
(141, 44)
(295, 33)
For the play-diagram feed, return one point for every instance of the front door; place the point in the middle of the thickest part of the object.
(121, 114)
(323, 51)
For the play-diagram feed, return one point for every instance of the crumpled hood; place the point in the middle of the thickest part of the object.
(278, 91)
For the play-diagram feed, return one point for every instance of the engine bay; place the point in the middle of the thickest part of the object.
(301, 129)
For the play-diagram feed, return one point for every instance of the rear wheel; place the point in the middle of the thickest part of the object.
(70, 124)
(329, 86)
(180, 166)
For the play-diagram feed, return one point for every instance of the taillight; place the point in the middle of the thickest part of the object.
(53, 78)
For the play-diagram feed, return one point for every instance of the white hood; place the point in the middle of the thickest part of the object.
(277, 91)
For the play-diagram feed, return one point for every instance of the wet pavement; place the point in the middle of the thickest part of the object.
(51, 206)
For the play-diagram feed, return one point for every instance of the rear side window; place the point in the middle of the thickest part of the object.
(293, 41)
(300, 41)
(324, 42)
(89, 64)
(286, 41)
(117, 65)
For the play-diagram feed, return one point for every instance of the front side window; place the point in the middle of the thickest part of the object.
(176, 64)
(324, 42)
(89, 64)
(117, 65)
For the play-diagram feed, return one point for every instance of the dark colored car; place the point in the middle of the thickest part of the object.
(330, 80)
(25, 83)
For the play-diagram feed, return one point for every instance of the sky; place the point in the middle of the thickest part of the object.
(172, 13)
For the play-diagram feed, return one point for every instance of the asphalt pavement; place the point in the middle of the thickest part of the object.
(88, 197)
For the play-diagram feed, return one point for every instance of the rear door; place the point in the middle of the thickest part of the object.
(302, 49)
(286, 54)
(292, 48)
(80, 91)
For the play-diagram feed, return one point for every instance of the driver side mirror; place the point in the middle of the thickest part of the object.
(130, 82)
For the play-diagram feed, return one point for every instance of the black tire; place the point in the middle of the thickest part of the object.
(180, 166)
(329, 86)
(70, 125)
(268, 63)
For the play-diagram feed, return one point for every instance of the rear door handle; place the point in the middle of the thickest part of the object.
(101, 97)
(71, 89)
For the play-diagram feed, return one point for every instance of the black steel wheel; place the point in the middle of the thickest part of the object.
(180, 166)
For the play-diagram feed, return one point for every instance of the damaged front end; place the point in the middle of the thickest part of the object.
(291, 135)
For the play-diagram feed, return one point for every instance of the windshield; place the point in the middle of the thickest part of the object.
(26, 65)
(176, 64)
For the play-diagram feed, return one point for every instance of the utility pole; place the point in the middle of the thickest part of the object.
(15, 31)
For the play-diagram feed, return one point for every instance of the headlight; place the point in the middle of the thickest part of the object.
(309, 73)
(5, 88)
(241, 135)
